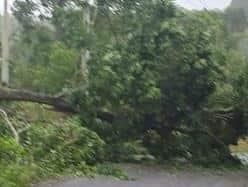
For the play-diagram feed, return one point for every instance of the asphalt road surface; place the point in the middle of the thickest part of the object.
(155, 177)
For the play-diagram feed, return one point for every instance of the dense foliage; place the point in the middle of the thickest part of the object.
(159, 82)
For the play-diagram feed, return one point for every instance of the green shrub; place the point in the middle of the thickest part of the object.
(10, 151)
(16, 170)
(57, 147)
(16, 175)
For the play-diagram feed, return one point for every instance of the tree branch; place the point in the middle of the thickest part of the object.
(200, 131)
(194, 132)
(12, 128)
(58, 103)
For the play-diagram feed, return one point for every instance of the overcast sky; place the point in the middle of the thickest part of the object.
(200, 4)
(190, 4)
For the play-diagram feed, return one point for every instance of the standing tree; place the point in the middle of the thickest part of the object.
(5, 46)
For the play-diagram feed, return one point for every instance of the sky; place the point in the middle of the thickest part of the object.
(200, 4)
(189, 4)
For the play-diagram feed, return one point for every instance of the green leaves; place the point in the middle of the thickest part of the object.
(70, 145)
(9, 150)
(151, 65)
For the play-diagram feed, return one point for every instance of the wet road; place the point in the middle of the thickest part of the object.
(154, 177)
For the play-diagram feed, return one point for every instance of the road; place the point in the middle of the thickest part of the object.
(155, 177)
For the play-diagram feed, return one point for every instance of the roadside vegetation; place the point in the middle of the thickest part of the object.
(135, 81)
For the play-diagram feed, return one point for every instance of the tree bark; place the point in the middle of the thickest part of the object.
(5, 46)
(58, 103)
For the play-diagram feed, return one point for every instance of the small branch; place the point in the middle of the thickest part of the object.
(218, 141)
(28, 126)
(12, 128)
(194, 132)
(227, 110)
(67, 92)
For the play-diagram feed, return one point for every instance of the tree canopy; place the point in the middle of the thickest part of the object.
(135, 70)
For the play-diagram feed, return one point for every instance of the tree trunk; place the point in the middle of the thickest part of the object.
(5, 46)
(85, 54)
(58, 103)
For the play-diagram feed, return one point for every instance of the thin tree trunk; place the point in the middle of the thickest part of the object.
(88, 19)
(85, 57)
(5, 46)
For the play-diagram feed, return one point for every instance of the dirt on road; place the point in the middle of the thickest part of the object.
(157, 177)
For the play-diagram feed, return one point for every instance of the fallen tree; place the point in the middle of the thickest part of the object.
(57, 102)
(60, 103)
